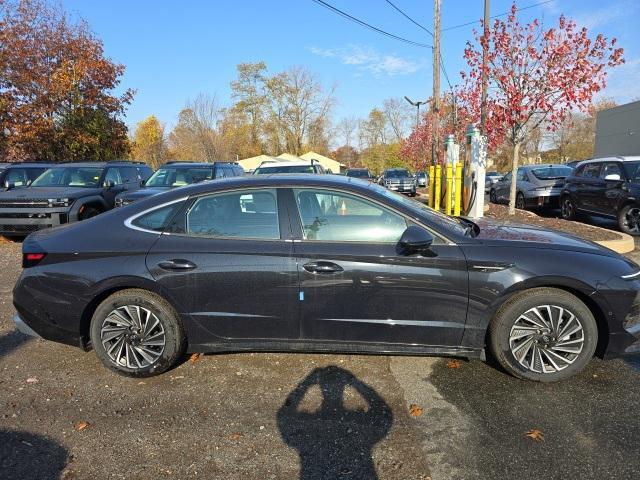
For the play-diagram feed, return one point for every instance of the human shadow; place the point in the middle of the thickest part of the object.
(27, 456)
(334, 441)
(11, 341)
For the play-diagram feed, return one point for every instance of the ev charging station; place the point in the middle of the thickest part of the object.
(474, 172)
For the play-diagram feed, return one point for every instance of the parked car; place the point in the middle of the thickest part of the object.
(267, 168)
(490, 179)
(573, 163)
(65, 193)
(20, 174)
(536, 186)
(422, 178)
(607, 187)
(362, 173)
(398, 180)
(179, 174)
(268, 263)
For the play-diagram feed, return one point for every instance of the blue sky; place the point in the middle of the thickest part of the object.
(175, 50)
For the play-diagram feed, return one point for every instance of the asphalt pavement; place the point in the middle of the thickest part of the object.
(288, 416)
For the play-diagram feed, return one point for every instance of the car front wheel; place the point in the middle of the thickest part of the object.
(543, 334)
(137, 333)
(567, 208)
(629, 219)
(492, 196)
(520, 203)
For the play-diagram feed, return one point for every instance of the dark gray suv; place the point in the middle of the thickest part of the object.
(66, 192)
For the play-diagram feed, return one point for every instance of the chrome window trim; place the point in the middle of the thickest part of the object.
(128, 222)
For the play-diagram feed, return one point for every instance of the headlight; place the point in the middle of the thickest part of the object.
(60, 202)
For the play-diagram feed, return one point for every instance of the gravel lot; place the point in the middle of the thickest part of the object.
(285, 416)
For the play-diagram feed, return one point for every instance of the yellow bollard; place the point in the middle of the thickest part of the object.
(432, 178)
(438, 186)
(449, 183)
(458, 193)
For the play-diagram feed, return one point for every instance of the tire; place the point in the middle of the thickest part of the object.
(568, 208)
(510, 347)
(147, 360)
(492, 196)
(629, 219)
(520, 202)
(89, 212)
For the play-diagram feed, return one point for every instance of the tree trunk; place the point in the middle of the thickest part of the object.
(514, 178)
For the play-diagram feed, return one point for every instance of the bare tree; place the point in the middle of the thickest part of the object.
(195, 136)
(347, 128)
(399, 117)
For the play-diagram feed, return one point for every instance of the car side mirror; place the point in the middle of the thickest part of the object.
(109, 184)
(612, 177)
(9, 185)
(415, 239)
(142, 182)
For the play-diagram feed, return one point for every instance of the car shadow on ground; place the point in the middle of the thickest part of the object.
(26, 456)
(333, 439)
(11, 341)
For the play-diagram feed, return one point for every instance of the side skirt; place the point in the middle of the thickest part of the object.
(335, 347)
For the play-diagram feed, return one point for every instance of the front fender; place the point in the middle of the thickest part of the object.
(74, 213)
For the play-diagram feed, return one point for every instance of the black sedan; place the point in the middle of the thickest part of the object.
(323, 264)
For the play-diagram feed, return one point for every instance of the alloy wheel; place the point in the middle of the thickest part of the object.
(632, 220)
(546, 339)
(567, 208)
(133, 337)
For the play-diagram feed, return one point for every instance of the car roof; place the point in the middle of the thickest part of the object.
(634, 158)
(295, 163)
(188, 164)
(543, 165)
(357, 168)
(27, 165)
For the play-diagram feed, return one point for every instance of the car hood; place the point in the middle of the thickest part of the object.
(49, 192)
(513, 234)
(143, 192)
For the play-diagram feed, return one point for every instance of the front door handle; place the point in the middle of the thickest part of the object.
(322, 267)
(177, 264)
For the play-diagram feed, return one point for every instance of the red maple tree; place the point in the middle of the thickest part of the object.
(537, 76)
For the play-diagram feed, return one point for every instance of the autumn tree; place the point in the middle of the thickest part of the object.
(56, 87)
(149, 142)
(536, 76)
(248, 90)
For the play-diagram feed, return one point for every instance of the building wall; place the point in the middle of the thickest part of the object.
(618, 131)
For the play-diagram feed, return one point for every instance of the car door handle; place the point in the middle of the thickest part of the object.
(322, 267)
(177, 264)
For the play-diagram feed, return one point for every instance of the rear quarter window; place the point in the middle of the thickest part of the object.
(157, 220)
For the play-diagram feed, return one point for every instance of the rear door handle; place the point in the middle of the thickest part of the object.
(322, 267)
(177, 264)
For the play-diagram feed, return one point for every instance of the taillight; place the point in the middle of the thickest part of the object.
(32, 259)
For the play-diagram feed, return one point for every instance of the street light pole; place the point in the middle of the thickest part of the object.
(417, 105)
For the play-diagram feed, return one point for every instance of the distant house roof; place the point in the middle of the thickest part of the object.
(326, 162)
(289, 157)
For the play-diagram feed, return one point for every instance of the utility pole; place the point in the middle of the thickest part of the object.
(485, 79)
(417, 105)
(436, 83)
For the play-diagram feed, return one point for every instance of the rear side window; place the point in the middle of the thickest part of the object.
(240, 214)
(611, 169)
(157, 220)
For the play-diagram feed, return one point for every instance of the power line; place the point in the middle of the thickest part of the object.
(409, 18)
(496, 16)
(367, 25)
(444, 70)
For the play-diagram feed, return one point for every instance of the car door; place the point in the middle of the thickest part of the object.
(357, 286)
(113, 185)
(228, 263)
(502, 188)
(591, 188)
(612, 188)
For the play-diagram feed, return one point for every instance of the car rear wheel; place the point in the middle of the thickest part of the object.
(520, 203)
(137, 333)
(543, 334)
(567, 208)
(492, 196)
(629, 219)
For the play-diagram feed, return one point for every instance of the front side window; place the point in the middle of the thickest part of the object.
(69, 177)
(339, 217)
(522, 175)
(611, 169)
(592, 170)
(113, 177)
(241, 214)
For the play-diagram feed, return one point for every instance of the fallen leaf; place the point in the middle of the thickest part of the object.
(236, 436)
(454, 364)
(81, 426)
(535, 434)
(195, 357)
(415, 410)
(32, 380)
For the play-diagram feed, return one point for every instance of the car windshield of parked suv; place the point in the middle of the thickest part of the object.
(399, 173)
(633, 170)
(179, 176)
(284, 169)
(552, 172)
(358, 173)
(69, 177)
(459, 226)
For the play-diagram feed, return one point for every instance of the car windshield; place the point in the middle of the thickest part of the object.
(83, 177)
(284, 169)
(358, 173)
(552, 172)
(397, 173)
(492, 174)
(633, 170)
(459, 226)
(179, 176)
